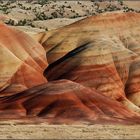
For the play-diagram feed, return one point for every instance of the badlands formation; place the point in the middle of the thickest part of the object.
(100, 52)
(88, 72)
(22, 61)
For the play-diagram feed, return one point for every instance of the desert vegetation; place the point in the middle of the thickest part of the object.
(26, 13)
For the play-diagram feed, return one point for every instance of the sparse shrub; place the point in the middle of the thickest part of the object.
(42, 2)
(10, 22)
(21, 22)
(54, 14)
(69, 6)
(41, 16)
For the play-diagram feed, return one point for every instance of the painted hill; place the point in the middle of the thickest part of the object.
(99, 59)
(66, 102)
(100, 52)
(22, 61)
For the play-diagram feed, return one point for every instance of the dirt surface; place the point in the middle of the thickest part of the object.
(133, 4)
(15, 130)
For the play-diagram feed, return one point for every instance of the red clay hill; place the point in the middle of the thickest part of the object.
(22, 61)
(99, 59)
(64, 101)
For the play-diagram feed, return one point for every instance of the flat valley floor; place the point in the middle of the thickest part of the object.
(15, 130)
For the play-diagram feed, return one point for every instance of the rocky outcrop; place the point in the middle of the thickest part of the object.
(22, 61)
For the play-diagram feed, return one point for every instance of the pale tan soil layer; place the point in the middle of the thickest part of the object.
(14, 130)
(133, 4)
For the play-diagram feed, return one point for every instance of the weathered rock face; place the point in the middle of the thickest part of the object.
(100, 52)
(22, 61)
(64, 101)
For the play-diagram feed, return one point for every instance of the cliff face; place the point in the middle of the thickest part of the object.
(22, 61)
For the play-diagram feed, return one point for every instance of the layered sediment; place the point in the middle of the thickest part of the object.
(99, 59)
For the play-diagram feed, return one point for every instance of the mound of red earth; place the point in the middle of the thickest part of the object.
(100, 52)
(22, 61)
(68, 102)
(98, 57)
